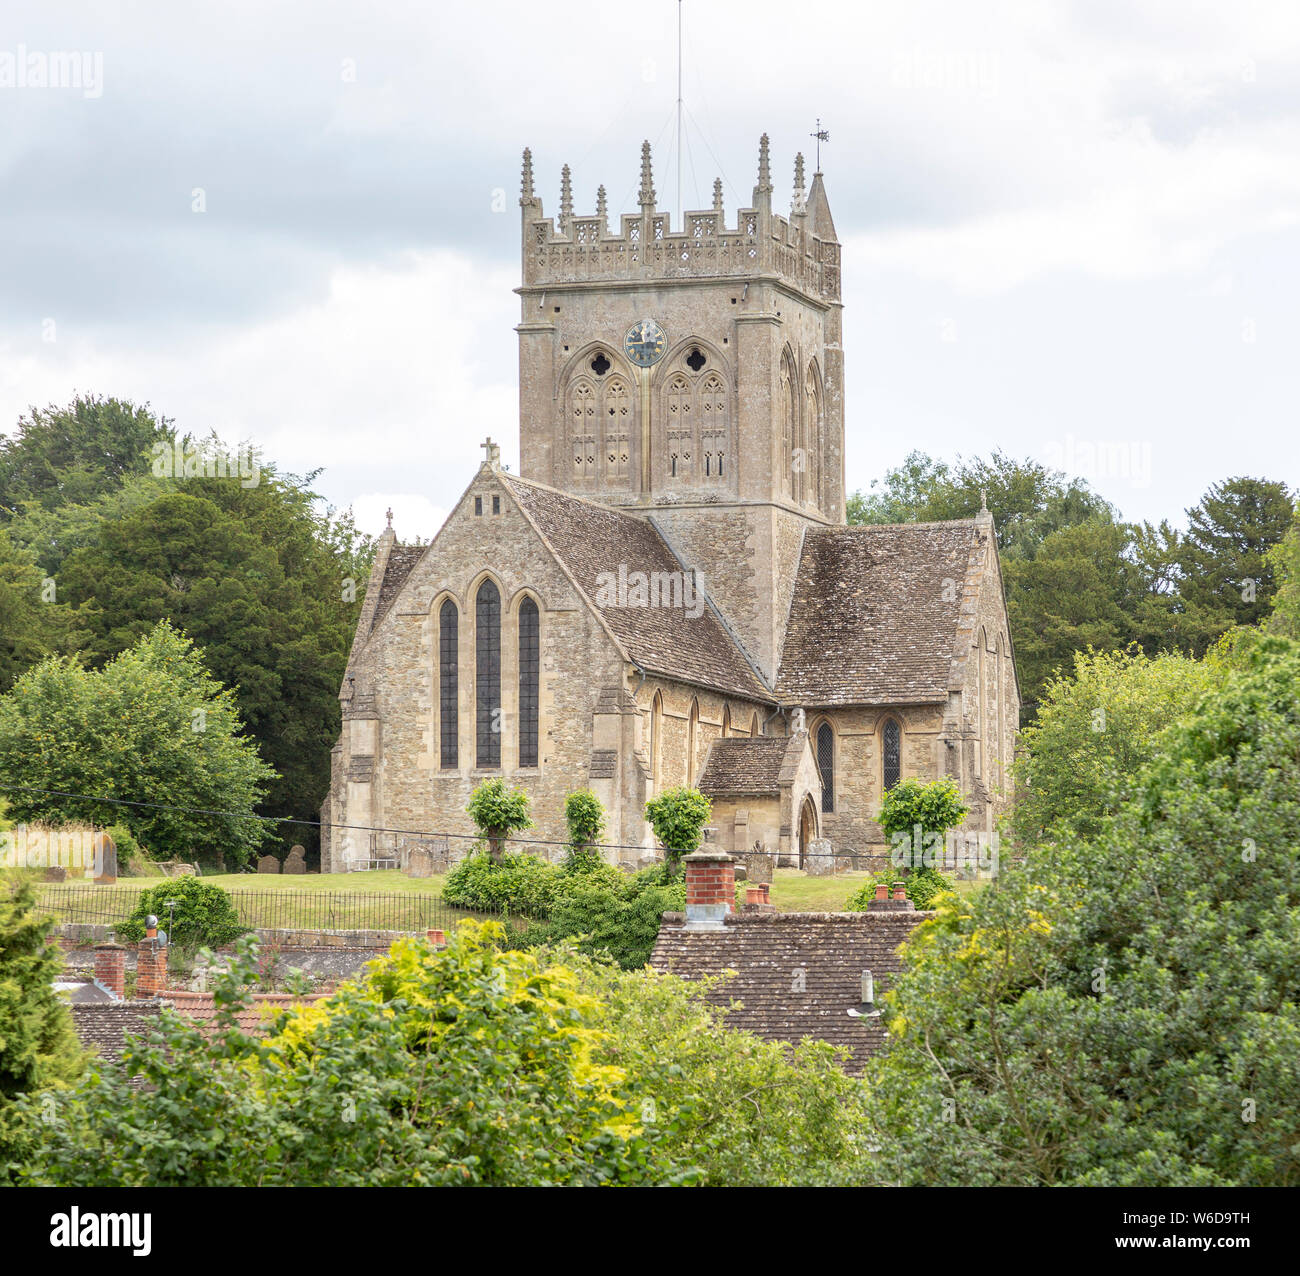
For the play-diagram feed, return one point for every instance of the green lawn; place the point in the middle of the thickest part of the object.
(335, 901)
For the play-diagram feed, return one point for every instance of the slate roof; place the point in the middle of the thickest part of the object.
(103, 1028)
(746, 767)
(767, 950)
(590, 540)
(401, 560)
(874, 614)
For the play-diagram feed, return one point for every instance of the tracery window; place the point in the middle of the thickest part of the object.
(448, 684)
(529, 675)
(487, 677)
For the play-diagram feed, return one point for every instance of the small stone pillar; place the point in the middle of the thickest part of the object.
(710, 889)
(110, 968)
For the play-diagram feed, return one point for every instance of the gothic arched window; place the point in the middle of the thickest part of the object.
(714, 425)
(812, 414)
(692, 740)
(726, 721)
(790, 459)
(616, 427)
(826, 764)
(681, 427)
(529, 677)
(487, 675)
(448, 683)
(584, 429)
(891, 753)
(656, 737)
(755, 727)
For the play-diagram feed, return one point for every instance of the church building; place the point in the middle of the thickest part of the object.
(667, 593)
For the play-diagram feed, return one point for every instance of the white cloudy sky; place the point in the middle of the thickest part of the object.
(1064, 224)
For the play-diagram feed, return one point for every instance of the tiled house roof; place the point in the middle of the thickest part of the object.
(874, 614)
(590, 540)
(775, 955)
(201, 1007)
(103, 1028)
(745, 767)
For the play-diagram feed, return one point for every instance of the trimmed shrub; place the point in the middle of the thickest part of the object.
(678, 817)
(514, 883)
(204, 915)
(498, 812)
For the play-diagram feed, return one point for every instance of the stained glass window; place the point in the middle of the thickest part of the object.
(529, 634)
(448, 682)
(487, 618)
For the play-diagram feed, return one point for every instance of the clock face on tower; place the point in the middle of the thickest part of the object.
(645, 343)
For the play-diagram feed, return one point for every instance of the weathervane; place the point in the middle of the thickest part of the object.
(822, 136)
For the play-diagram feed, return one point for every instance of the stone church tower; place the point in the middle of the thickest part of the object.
(668, 593)
(727, 423)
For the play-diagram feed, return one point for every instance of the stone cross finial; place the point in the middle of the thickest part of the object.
(566, 200)
(717, 194)
(798, 204)
(492, 453)
(526, 188)
(646, 196)
(602, 209)
(764, 165)
(389, 514)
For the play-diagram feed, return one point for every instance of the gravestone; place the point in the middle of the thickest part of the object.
(105, 860)
(296, 862)
(419, 862)
(268, 864)
(762, 868)
(818, 858)
(55, 873)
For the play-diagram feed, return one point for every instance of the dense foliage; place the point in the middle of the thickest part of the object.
(38, 1049)
(585, 817)
(1097, 727)
(153, 727)
(1122, 1009)
(98, 543)
(204, 914)
(473, 1065)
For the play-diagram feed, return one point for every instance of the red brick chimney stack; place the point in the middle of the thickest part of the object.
(110, 967)
(150, 962)
(710, 889)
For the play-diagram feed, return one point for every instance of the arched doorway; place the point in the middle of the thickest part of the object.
(807, 825)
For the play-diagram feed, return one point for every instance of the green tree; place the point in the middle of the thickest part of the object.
(33, 623)
(38, 1048)
(1122, 1009)
(1028, 500)
(1284, 560)
(153, 727)
(62, 456)
(1097, 727)
(268, 586)
(1227, 572)
(678, 817)
(498, 811)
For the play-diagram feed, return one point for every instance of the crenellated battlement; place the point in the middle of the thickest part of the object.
(800, 250)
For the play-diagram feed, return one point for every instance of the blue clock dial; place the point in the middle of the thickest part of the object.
(645, 343)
